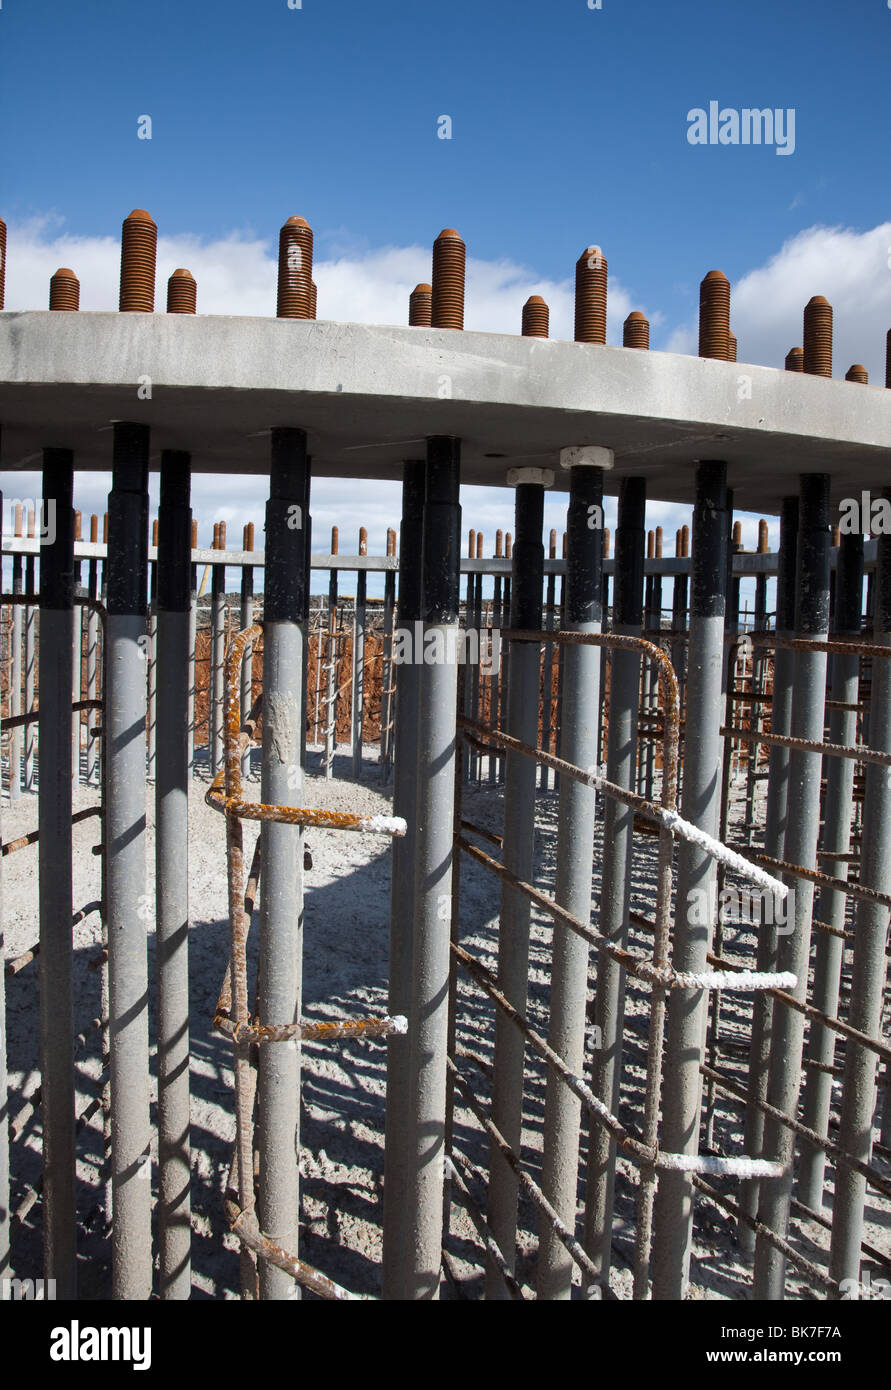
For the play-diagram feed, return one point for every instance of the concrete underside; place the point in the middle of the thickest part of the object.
(369, 395)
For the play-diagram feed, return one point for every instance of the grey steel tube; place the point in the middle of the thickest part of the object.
(246, 620)
(387, 702)
(831, 904)
(54, 847)
(548, 665)
(216, 684)
(193, 644)
(93, 662)
(358, 681)
(30, 664)
(519, 829)
(869, 966)
(4, 1099)
(774, 839)
(802, 830)
(172, 874)
(673, 1211)
(332, 650)
(15, 694)
(495, 682)
(125, 791)
(575, 851)
(428, 1014)
(151, 656)
(281, 901)
(615, 891)
(407, 668)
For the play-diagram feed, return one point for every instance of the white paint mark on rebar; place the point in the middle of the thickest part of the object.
(730, 1167)
(735, 979)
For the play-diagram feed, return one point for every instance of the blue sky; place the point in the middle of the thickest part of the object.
(569, 127)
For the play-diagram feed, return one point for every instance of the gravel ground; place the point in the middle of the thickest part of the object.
(345, 975)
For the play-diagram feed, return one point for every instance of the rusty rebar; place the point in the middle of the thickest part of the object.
(182, 292)
(536, 316)
(447, 295)
(64, 293)
(420, 306)
(818, 337)
(714, 316)
(139, 247)
(295, 246)
(636, 330)
(591, 273)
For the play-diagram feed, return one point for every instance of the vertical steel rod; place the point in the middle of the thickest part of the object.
(193, 643)
(76, 663)
(774, 838)
(358, 681)
(281, 899)
(172, 873)
(94, 717)
(30, 661)
(55, 853)
(332, 651)
(407, 668)
(870, 966)
(519, 830)
(618, 821)
(124, 721)
(831, 904)
(428, 1015)
(15, 673)
(152, 662)
(246, 621)
(575, 850)
(217, 683)
(802, 829)
(673, 1211)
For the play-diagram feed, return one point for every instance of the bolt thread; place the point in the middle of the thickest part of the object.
(64, 293)
(636, 331)
(857, 373)
(313, 298)
(182, 292)
(763, 538)
(420, 306)
(818, 337)
(294, 299)
(731, 348)
(795, 360)
(714, 316)
(536, 317)
(590, 296)
(447, 296)
(139, 248)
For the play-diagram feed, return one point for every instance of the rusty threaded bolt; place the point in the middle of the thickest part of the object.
(795, 360)
(685, 537)
(420, 306)
(2, 262)
(590, 296)
(552, 545)
(78, 534)
(499, 542)
(857, 373)
(818, 337)
(64, 292)
(182, 292)
(471, 544)
(659, 539)
(714, 316)
(248, 536)
(536, 317)
(194, 535)
(104, 528)
(479, 545)
(154, 533)
(222, 535)
(32, 525)
(94, 528)
(636, 330)
(606, 542)
(391, 541)
(731, 348)
(447, 295)
(836, 537)
(335, 539)
(216, 536)
(651, 545)
(139, 247)
(313, 298)
(763, 538)
(507, 545)
(294, 299)
(737, 535)
(363, 541)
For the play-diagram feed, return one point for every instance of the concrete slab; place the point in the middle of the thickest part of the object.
(368, 396)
